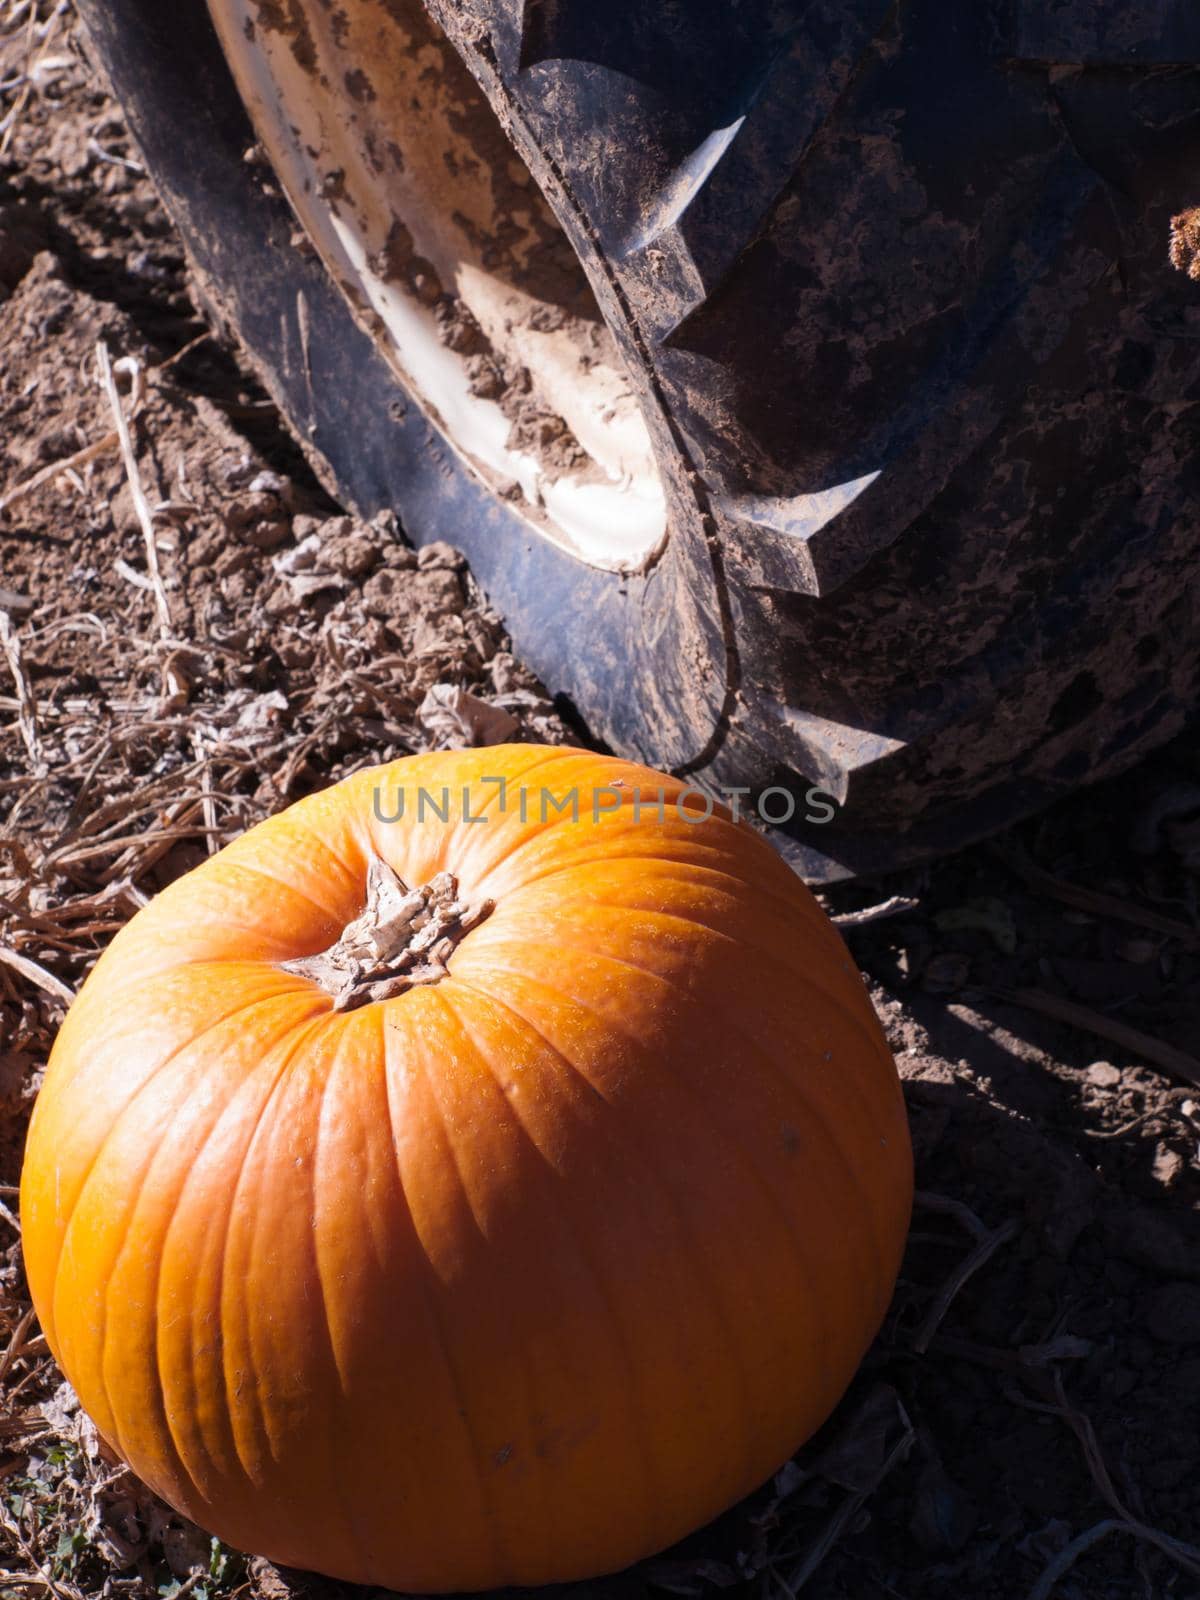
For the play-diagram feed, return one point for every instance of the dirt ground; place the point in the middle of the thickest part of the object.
(1028, 1422)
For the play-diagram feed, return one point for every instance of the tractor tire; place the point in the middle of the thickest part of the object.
(808, 382)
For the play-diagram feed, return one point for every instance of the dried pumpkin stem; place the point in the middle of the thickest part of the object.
(402, 937)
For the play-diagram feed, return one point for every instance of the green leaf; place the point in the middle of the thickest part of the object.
(70, 1544)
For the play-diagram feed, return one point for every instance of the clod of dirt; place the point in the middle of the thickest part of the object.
(260, 517)
(544, 433)
(1103, 1075)
(341, 545)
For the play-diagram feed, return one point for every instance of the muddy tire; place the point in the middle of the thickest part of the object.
(854, 442)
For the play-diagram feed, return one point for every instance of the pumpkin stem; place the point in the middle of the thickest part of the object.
(403, 937)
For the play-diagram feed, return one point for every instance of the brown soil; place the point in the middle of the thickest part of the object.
(1055, 1392)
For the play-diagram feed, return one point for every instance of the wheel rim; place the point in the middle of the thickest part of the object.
(437, 233)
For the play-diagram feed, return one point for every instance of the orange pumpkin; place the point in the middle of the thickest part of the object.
(499, 1231)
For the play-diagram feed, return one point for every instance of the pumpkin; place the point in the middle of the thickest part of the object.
(486, 1195)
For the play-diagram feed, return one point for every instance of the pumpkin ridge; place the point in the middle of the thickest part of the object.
(804, 1264)
(159, 1395)
(636, 1386)
(795, 1090)
(310, 818)
(459, 833)
(337, 1480)
(301, 1031)
(367, 1569)
(689, 861)
(463, 834)
(289, 1046)
(255, 869)
(335, 1066)
(172, 1055)
(653, 1476)
(487, 1511)
(533, 1405)
(685, 1226)
(794, 974)
(805, 911)
(105, 1316)
(560, 868)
